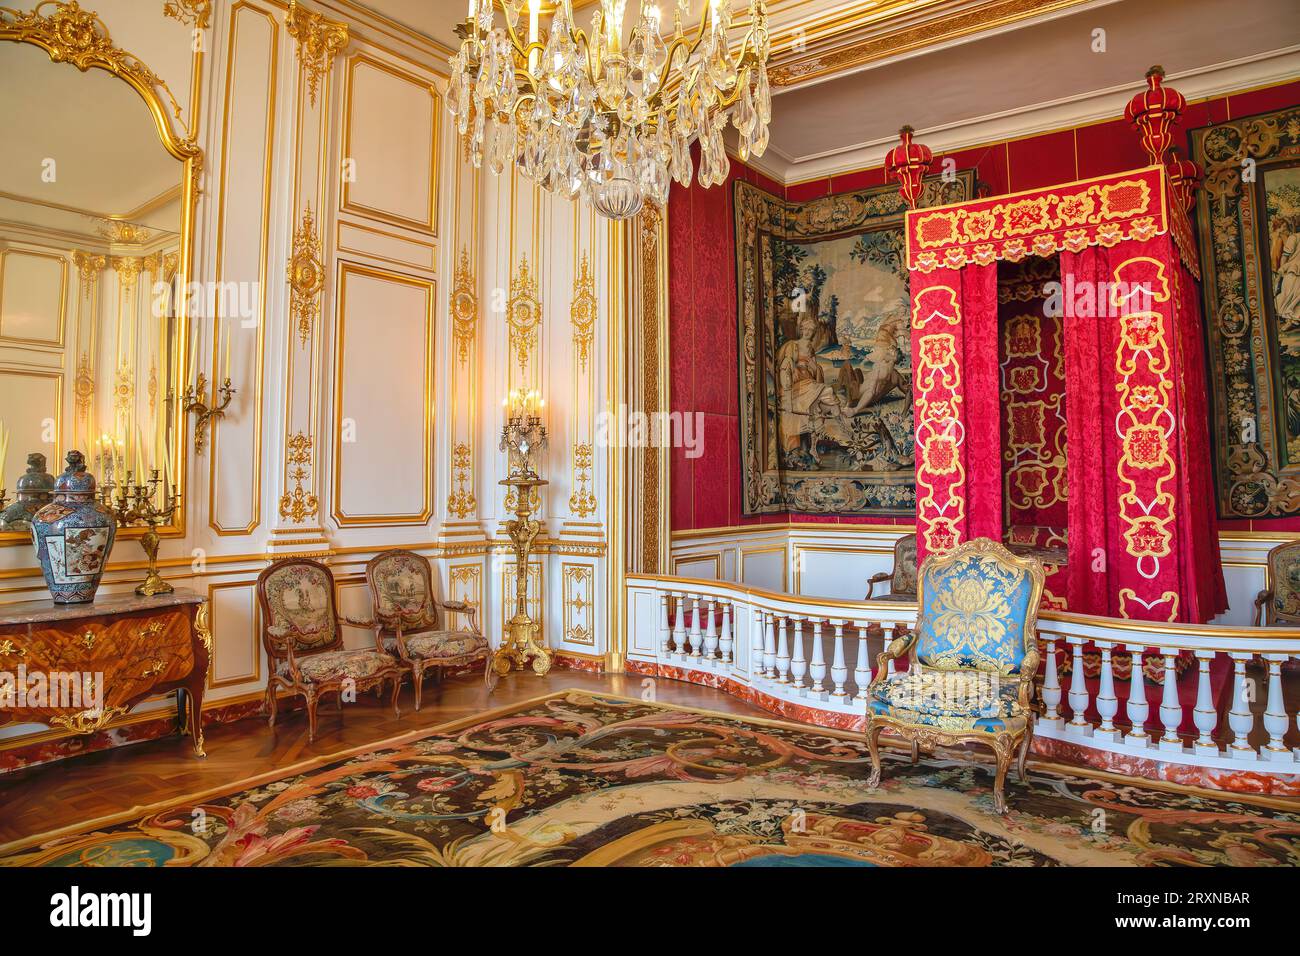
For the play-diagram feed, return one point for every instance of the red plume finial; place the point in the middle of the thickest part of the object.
(1154, 112)
(907, 163)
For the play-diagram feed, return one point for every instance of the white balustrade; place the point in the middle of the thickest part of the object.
(839, 669)
(785, 638)
(710, 637)
(798, 663)
(696, 637)
(817, 666)
(1051, 687)
(725, 640)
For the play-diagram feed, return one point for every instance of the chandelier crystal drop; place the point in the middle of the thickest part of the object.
(604, 118)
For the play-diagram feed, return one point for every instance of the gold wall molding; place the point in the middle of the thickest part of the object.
(83, 388)
(464, 306)
(461, 502)
(582, 312)
(578, 588)
(299, 505)
(306, 276)
(128, 270)
(524, 316)
(192, 13)
(89, 266)
(583, 501)
(320, 40)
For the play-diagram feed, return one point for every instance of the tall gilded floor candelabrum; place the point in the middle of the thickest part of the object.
(522, 436)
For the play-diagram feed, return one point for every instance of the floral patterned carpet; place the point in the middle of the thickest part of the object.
(580, 779)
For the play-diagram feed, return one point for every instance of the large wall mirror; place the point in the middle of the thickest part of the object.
(97, 192)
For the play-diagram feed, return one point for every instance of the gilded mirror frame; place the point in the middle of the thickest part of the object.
(79, 38)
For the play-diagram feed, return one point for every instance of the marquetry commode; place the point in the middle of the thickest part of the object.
(142, 647)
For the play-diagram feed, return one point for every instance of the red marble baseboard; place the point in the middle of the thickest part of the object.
(588, 665)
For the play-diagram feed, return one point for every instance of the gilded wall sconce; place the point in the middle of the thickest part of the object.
(191, 402)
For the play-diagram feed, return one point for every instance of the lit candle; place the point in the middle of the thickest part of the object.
(534, 13)
(473, 9)
(614, 23)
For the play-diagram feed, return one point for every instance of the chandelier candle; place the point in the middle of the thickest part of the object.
(612, 122)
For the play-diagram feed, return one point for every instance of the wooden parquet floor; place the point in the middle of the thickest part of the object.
(47, 797)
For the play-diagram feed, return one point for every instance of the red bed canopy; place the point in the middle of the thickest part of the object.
(1141, 526)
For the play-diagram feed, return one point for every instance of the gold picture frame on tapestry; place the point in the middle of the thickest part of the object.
(781, 468)
(1254, 387)
(79, 38)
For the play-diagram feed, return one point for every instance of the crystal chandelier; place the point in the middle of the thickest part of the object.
(610, 121)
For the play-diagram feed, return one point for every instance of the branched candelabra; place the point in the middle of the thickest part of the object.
(522, 436)
(192, 402)
(135, 503)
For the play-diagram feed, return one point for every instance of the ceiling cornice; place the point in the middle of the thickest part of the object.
(1097, 106)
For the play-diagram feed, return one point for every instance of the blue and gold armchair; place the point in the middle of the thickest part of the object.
(972, 657)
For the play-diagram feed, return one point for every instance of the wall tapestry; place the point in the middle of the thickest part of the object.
(1251, 256)
(825, 354)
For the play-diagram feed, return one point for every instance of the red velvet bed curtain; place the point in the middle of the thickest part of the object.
(1142, 538)
(957, 412)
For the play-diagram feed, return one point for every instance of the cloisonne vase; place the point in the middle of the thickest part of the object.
(35, 491)
(73, 535)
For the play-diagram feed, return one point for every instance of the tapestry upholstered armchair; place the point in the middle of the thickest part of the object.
(406, 618)
(303, 636)
(902, 579)
(1279, 602)
(972, 660)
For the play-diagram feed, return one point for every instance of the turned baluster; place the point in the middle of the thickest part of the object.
(1136, 707)
(1171, 711)
(1107, 702)
(862, 666)
(1240, 719)
(1275, 719)
(1051, 687)
(783, 652)
(665, 635)
(710, 636)
(1078, 690)
(696, 639)
(758, 625)
(769, 647)
(839, 668)
(798, 662)
(725, 640)
(1204, 715)
(679, 625)
(817, 666)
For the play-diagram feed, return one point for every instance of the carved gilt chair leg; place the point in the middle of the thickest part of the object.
(1024, 752)
(873, 747)
(270, 703)
(312, 701)
(916, 752)
(1003, 751)
(417, 678)
(397, 689)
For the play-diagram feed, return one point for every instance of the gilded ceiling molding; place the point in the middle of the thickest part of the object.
(128, 270)
(192, 13)
(297, 506)
(306, 276)
(818, 56)
(319, 41)
(524, 316)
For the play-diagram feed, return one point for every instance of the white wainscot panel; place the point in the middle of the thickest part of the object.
(390, 134)
(764, 566)
(33, 290)
(236, 639)
(384, 344)
(837, 573)
(1243, 583)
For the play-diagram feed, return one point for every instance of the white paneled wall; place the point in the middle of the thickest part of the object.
(368, 412)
